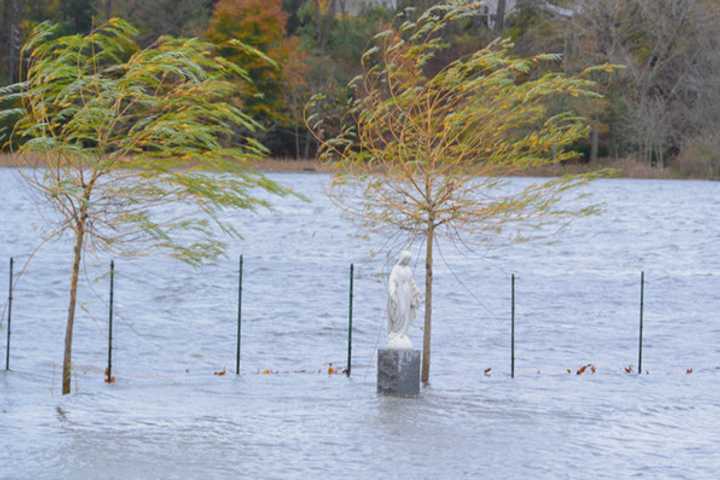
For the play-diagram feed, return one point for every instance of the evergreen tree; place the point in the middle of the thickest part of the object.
(259, 24)
(78, 15)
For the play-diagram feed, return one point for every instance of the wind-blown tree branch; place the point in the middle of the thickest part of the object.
(132, 145)
(425, 153)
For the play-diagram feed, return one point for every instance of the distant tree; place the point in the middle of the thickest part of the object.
(160, 17)
(123, 133)
(534, 29)
(292, 8)
(12, 35)
(419, 6)
(669, 89)
(424, 154)
(259, 24)
(500, 15)
(335, 43)
(323, 14)
(108, 9)
(78, 14)
(297, 91)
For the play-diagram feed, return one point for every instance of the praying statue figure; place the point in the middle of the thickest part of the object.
(403, 302)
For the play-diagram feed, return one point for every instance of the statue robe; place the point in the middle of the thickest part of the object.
(403, 302)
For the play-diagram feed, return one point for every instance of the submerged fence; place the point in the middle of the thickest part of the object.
(9, 317)
(512, 319)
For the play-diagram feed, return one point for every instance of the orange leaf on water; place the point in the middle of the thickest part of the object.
(108, 378)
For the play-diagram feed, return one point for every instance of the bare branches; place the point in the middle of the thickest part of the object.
(669, 86)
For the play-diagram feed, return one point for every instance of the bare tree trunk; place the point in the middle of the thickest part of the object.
(500, 16)
(324, 23)
(308, 140)
(4, 27)
(108, 9)
(77, 254)
(297, 142)
(427, 331)
(594, 145)
(12, 19)
(663, 160)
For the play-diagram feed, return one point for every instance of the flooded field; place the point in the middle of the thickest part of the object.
(168, 416)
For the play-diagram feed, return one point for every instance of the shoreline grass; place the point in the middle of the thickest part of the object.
(627, 168)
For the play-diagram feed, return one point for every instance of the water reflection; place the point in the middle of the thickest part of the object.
(170, 417)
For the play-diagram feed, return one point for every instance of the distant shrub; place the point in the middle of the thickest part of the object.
(700, 158)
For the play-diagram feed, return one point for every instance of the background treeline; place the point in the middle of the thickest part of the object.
(663, 109)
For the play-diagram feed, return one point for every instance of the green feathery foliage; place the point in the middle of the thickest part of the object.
(122, 132)
(434, 146)
(427, 151)
(132, 147)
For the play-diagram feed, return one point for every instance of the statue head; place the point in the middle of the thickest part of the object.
(404, 258)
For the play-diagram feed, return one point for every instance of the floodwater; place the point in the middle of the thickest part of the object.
(168, 416)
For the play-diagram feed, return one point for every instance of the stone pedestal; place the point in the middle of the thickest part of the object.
(398, 372)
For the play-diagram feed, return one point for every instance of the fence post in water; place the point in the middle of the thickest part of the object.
(350, 318)
(108, 376)
(642, 308)
(239, 317)
(512, 326)
(9, 318)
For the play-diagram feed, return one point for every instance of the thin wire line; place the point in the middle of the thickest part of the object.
(457, 278)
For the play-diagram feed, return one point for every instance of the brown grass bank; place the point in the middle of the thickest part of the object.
(625, 168)
(266, 165)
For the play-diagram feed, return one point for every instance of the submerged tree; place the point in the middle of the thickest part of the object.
(425, 151)
(117, 135)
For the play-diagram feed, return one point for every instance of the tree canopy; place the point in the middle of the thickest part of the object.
(425, 152)
(260, 24)
(662, 109)
(123, 134)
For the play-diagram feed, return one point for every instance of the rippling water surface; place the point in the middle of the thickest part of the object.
(169, 417)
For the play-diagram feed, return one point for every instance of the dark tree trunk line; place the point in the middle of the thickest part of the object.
(427, 329)
(80, 231)
(500, 16)
(77, 255)
(12, 39)
(594, 144)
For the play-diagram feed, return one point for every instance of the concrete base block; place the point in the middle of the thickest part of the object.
(398, 372)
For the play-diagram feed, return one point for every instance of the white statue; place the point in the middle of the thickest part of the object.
(403, 302)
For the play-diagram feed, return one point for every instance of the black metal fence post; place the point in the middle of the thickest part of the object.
(642, 312)
(512, 326)
(9, 317)
(350, 319)
(108, 376)
(239, 317)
